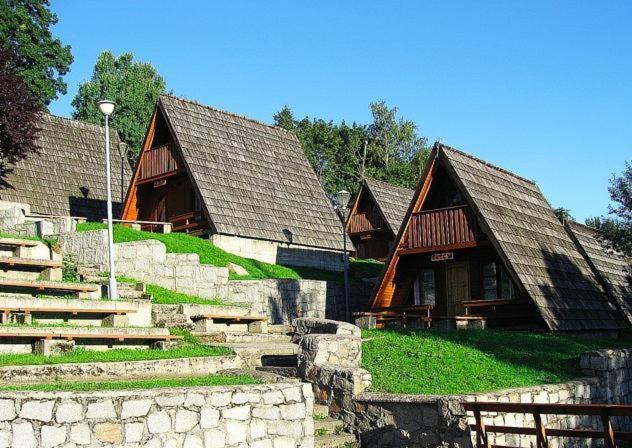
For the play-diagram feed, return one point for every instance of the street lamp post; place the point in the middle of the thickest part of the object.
(107, 107)
(342, 198)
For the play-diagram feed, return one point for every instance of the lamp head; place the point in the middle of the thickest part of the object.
(106, 107)
(342, 198)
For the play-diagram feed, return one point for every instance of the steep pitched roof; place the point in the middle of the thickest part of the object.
(534, 244)
(67, 176)
(614, 269)
(535, 248)
(254, 179)
(392, 200)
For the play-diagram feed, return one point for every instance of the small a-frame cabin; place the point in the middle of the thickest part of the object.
(375, 218)
(245, 184)
(479, 242)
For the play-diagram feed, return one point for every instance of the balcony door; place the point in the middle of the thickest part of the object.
(457, 287)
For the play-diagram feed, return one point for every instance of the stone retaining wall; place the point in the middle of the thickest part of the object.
(390, 420)
(198, 366)
(281, 299)
(278, 415)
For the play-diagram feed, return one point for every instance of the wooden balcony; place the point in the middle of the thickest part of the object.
(188, 222)
(443, 229)
(159, 161)
(365, 222)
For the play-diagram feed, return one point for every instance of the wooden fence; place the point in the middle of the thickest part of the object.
(604, 412)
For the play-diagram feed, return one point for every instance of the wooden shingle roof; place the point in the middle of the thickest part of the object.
(614, 269)
(392, 200)
(67, 176)
(533, 244)
(254, 179)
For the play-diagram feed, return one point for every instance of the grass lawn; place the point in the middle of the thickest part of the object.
(209, 380)
(191, 348)
(210, 254)
(447, 362)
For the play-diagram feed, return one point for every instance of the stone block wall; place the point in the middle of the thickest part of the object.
(278, 415)
(14, 220)
(280, 253)
(391, 420)
(281, 299)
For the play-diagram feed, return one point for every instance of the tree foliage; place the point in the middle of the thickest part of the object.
(617, 228)
(19, 111)
(342, 154)
(133, 86)
(41, 59)
(563, 214)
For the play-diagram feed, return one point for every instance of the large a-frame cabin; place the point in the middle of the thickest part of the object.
(245, 184)
(375, 218)
(479, 242)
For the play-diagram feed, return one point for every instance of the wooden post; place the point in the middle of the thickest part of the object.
(540, 431)
(481, 434)
(608, 433)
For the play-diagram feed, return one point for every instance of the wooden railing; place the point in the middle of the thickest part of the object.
(443, 227)
(188, 222)
(365, 222)
(160, 160)
(603, 411)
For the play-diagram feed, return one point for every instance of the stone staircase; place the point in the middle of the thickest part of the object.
(328, 431)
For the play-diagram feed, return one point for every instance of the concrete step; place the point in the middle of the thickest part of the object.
(342, 440)
(279, 329)
(327, 425)
(173, 320)
(321, 410)
(18, 268)
(225, 336)
(287, 372)
(252, 353)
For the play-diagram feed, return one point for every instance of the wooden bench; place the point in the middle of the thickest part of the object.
(29, 262)
(400, 313)
(39, 286)
(14, 242)
(113, 317)
(108, 336)
(204, 322)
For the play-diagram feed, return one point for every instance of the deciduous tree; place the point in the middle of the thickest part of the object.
(41, 59)
(19, 111)
(133, 86)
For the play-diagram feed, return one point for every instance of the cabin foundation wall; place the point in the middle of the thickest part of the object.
(280, 253)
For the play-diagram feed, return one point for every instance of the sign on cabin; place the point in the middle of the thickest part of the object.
(160, 183)
(442, 256)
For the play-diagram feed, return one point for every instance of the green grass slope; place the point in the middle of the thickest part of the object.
(453, 362)
(210, 254)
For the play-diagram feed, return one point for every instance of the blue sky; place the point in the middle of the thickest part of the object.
(542, 88)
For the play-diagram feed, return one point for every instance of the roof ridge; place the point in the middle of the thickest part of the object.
(490, 165)
(388, 184)
(76, 122)
(217, 109)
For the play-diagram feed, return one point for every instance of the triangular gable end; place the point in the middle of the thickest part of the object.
(438, 189)
(538, 256)
(163, 179)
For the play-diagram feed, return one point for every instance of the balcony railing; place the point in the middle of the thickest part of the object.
(365, 222)
(158, 161)
(188, 222)
(450, 226)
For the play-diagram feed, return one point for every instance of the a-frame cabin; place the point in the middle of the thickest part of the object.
(480, 242)
(375, 218)
(245, 184)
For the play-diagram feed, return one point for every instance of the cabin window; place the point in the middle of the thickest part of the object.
(496, 283)
(490, 282)
(424, 288)
(506, 285)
